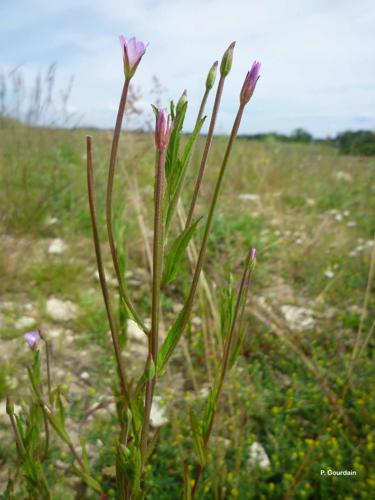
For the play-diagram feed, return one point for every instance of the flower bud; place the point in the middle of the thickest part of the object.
(9, 406)
(181, 102)
(132, 53)
(253, 254)
(250, 82)
(150, 369)
(162, 129)
(226, 62)
(211, 77)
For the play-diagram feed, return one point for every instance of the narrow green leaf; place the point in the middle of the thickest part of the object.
(56, 424)
(155, 109)
(227, 305)
(84, 453)
(176, 253)
(174, 144)
(178, 173)
(187, 484)
(137, 470)
(90, 481)
(211, 403)
(170, 343)
(198, 438)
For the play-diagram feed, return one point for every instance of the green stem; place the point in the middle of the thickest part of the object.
(48, 363)
(99, 260)
(202, 105)
(203, 248)
(153, 345)
(207, 148)
(224, 366)
(109, 214)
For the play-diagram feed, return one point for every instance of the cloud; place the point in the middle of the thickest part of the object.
(317, 56)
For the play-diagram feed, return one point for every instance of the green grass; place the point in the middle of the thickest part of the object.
(307, 220)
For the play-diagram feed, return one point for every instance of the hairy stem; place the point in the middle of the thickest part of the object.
(153, 340)
(109, 207)
(99, 261)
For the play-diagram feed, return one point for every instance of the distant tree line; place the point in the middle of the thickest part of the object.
(360, 142)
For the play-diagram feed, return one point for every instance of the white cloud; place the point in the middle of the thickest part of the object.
(317, 56)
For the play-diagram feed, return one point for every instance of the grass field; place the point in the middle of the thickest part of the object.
(297, 391)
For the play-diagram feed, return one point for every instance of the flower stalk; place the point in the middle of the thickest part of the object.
(109, 207)
(218, 385)
(162, 131)
(210, 133)
(102, 278)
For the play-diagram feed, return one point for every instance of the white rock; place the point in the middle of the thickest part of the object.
(196, 321)
(109, 279)
(85, 376)
(258, 456)
(54, 333)
(157, 416)
(57, 246)
(135, 333)
(3, 412)
(61, 310)
(24, 322)
(50, 221)
(248, 197)
(343, 176)
(177, 308)
(298, 318)
(329, 273)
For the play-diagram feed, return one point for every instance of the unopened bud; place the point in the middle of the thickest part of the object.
(250, 82)
(162, 129)
(150, 369)
(226, 62)
(181, 102)
(211, 77)
(9, 406)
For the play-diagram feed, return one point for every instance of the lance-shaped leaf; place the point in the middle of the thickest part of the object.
(211, 404)
(56, 424)
(174, 144)
(227, 304)
(90, 481)
(198, 439)
(84, 453)
(176, 253)
(187, 484)
(170, 342)
(241, 328)
(178, 173)
(136, 460)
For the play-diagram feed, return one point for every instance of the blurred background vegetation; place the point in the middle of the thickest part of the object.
(300, 398)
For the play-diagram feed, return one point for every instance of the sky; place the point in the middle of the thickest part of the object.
(318, 56)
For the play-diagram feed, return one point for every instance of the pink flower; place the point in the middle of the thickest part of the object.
(250, 82)
(132, 52)
(162, 129)
(32, 339)
(253, 254)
